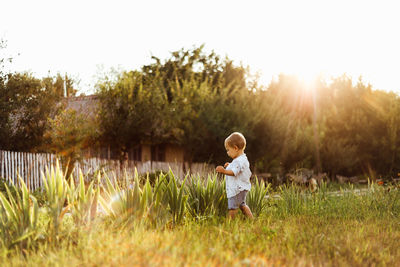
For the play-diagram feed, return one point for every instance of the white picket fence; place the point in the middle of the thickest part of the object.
(30, 166)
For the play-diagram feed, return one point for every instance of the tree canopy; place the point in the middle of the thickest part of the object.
(195, 99)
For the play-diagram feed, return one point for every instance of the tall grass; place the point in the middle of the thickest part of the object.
(206, 197)
(56, 190)
(137, 207)
(18, 218)
(375, 202)
(125, 204)
(176, 198)
(153, 203)
(82, 201)
(256, 197)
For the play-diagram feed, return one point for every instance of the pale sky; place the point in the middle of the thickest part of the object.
(294, 37)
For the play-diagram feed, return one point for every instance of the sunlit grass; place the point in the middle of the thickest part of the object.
(171, 224)
(294, 241)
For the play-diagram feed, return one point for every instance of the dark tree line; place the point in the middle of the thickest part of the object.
(195, 99)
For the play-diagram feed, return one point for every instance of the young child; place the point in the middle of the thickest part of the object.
(237, 175)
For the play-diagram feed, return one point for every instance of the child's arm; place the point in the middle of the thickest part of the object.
(222, 170)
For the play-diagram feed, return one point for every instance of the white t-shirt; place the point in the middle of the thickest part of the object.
(241, 181)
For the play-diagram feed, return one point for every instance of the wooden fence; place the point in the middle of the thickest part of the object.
(30, 166)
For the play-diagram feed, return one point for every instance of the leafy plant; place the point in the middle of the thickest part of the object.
(206, 198)
(176, 199)
(256, 197)
(18, 217)
(82, 202)
(129, 203)
(292, 200)
(56, 190)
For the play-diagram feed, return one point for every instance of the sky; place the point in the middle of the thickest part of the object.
(307, 38)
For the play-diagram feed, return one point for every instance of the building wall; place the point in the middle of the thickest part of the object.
(173, 153)
(146, 153)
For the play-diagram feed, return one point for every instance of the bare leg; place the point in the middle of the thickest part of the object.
(246, 211)
(232, 214)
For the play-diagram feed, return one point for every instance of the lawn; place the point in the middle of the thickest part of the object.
(172, 223)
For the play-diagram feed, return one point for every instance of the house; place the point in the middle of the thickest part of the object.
(166, 152)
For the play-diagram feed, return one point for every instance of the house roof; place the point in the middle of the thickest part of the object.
(84, 105)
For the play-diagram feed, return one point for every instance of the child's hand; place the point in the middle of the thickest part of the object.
(226, 164)
(220, 169)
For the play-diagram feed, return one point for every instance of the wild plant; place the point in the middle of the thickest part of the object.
(202, 197)
(56, 190)
(125, 203)
(256, 197)
(220, 198)
(18, 217)
(176, 198)
(382, 200)
(83, 202)
(292, 200)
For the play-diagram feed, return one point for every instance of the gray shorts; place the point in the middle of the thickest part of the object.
(237, 201)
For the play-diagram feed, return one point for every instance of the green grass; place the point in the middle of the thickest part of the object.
(182, 223)
(296, 240)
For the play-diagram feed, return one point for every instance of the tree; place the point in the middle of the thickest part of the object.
(360, 125)
(132, 111)
(69, 134)
(180, 101)
(206, 95)
(60, 86)
(26, 104)
(286, 125)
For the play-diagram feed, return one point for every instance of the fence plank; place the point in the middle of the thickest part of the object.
(14, 165)
(6, 165)
(1, 164)
(30, 167)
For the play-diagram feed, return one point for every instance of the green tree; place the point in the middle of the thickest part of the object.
(190, 99)
(27, 102)
(69, 134)
(286, 128)
(209, 97)
(360, 129)
(132, 112)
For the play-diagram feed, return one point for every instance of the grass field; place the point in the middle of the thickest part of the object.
(169, 223)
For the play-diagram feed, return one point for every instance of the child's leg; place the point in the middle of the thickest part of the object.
(233, 206)
(243, 207)
(246, 211)
(232, 213)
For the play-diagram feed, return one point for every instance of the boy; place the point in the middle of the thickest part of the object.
(237, 175)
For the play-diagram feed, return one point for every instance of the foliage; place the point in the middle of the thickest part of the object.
(176, 199)
(365, 125)
(26, 103)
(37, 194)
(206, 197)
(131, 202)
(18, 218)
(256, 197)
(56, 190)
(294, 222)
(131, 111)
(69, 134)
(195, 98)
(192, 99)
(82, 201)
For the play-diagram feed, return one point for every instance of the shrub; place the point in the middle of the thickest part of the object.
(256, 197)
(19, 217)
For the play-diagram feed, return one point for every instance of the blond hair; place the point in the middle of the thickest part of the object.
(236, 139)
